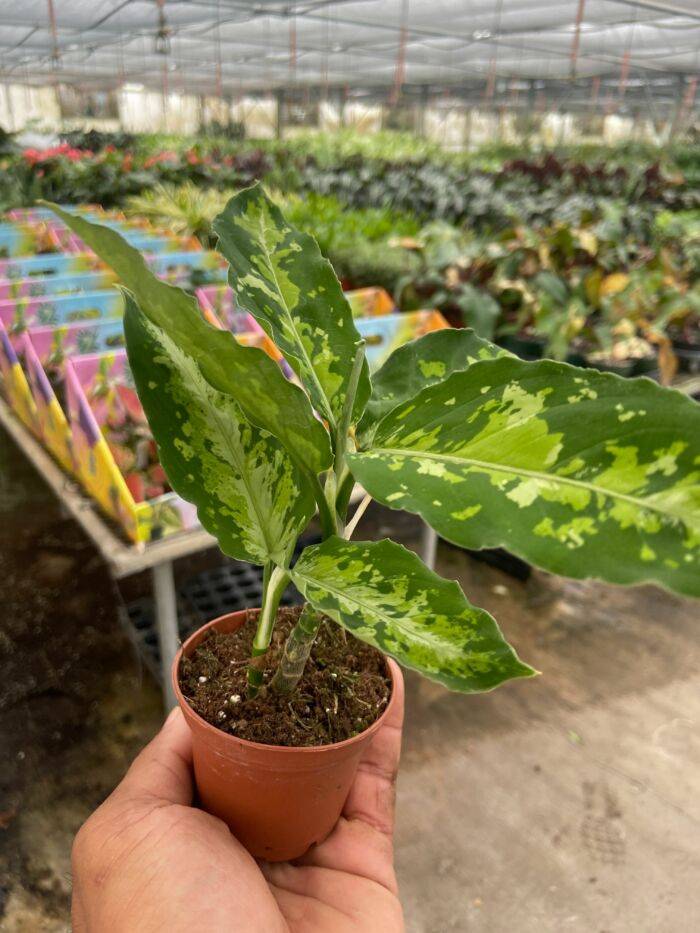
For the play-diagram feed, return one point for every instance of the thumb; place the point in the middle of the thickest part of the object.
(163, 770)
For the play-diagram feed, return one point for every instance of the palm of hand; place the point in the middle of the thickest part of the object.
(149, 861)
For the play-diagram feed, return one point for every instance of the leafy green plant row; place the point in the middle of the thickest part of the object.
(331, 148)
(612, 290)
(535, 192)
(393, 170)
(360, 243)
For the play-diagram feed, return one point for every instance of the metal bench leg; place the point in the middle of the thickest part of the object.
(166, 619)
(429, 546)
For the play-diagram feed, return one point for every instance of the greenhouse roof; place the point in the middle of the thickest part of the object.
(466, 47)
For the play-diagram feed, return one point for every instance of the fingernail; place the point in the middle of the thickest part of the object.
(172, 714)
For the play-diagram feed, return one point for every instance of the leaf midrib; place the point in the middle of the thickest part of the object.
(307, 359)
(237, 457)
(242, 471)
(368, 608)
(531, 474)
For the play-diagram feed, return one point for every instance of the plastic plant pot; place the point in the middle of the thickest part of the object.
(277, 801)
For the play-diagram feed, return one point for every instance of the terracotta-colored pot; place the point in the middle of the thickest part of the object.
(277, 801)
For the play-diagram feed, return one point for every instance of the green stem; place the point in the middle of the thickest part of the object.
(296, 651)
(342, 500)
(348, 405)
(329, 525)
(274, 582)
(336, 477)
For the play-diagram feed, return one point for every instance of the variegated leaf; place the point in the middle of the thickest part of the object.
(281, 278)
(248, 492)
(583, 473)
(419, 363)
(248, 374)
(386, 596)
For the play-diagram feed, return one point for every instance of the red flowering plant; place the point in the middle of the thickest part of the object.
(69, 174)
(63, 150)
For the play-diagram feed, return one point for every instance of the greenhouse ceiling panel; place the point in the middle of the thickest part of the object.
(228, 47)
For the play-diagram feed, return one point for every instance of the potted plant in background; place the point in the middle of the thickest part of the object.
(580, 472)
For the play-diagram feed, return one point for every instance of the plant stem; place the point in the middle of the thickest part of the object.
(274, 583)
(357, 515)
(326, 514)
(296, 651)
(342, 499)
(328, 508)
(348, 405)
(299, 643)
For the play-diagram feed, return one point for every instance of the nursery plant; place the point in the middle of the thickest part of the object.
(579, 472)
(186, 210)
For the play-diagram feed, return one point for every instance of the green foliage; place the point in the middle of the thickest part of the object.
(336, 227)
(186, 210)
(247, 489)
(97, 140)
(386, 596)
(247, 373)
(280, 277)
(420, 363)
(111, 176)
(373, 264)
(581, 473)
(360, 244)
(584, 474)
(492, 222)
(330, 148)
(8, 145)
(524, 191)
(605, 285)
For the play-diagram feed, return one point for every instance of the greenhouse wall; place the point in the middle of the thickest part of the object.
(21, 104)
(258, 115)
(143, 111)
(453, 123)
(447, 126)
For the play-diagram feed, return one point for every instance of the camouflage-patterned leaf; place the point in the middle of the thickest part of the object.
(281, 278)
(420, 363)
(583, 473)
(247, 490)
(386, 596)
(268, 399)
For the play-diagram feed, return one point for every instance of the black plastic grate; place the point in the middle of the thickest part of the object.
(227, 588)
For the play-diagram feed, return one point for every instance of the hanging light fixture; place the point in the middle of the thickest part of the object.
(162, 37)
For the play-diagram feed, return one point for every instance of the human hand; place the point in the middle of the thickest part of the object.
(147, 860)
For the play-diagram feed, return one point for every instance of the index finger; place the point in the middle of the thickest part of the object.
(372, 794)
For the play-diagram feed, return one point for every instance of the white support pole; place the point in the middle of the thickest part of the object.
(166, 620)
(429, 546)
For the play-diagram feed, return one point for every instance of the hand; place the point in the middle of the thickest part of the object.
(147, 860)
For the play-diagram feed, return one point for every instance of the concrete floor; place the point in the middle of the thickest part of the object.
(569, 802)
(566, 803)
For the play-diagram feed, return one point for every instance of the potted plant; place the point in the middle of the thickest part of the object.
(579, 472)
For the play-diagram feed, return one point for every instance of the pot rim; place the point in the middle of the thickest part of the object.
(391, 664)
